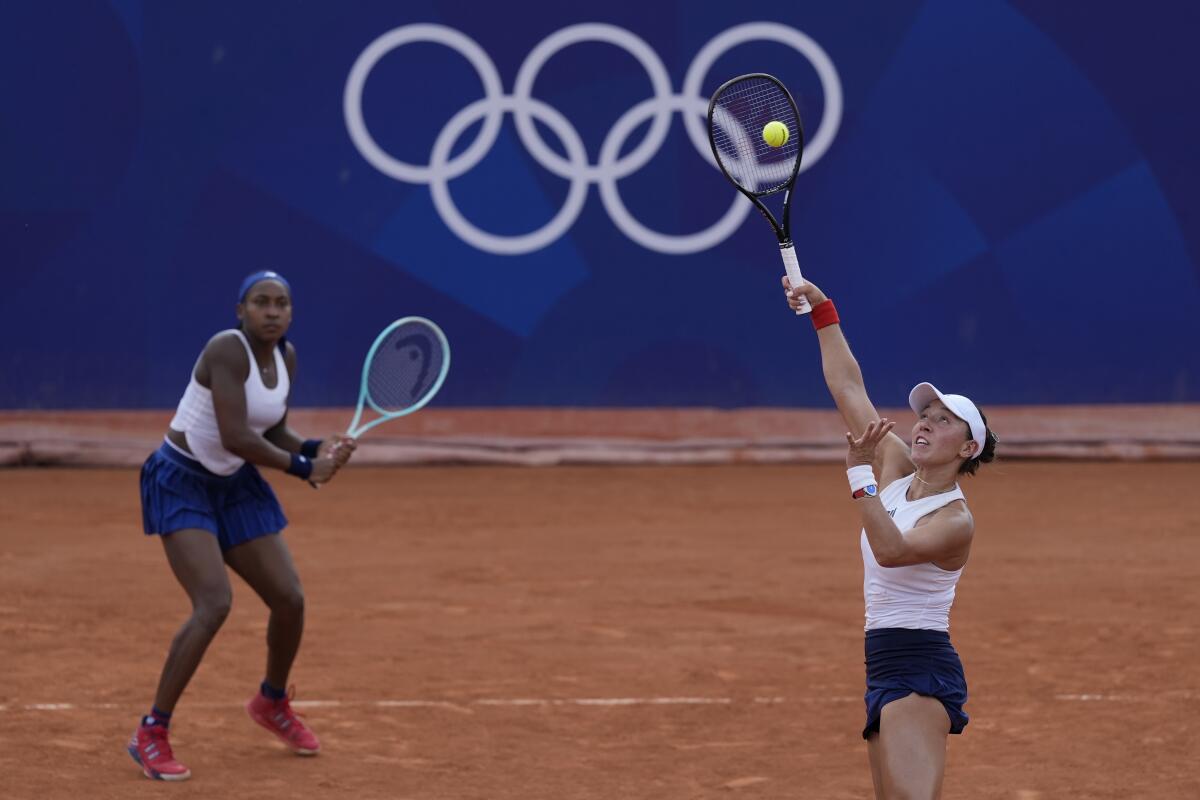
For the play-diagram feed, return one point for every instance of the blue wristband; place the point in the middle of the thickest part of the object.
(301, 467)
(310, 447)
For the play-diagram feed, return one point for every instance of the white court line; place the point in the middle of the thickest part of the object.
(608, 702)
(1165, 694)
(483, 702)
(611, 701)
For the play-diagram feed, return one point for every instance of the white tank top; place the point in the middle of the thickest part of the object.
(917, 596)
(197, 421)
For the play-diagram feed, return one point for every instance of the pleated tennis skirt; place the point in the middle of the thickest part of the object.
(179, 493)
(901, 661)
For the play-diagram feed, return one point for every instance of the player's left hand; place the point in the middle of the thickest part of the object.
(339, 447)
(862, 449)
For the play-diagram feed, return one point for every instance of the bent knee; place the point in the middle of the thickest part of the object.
(211, 610)
(289, 602)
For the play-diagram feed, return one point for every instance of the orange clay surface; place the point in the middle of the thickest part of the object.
(484, 633)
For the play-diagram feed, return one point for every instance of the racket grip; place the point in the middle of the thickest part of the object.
(792, 265)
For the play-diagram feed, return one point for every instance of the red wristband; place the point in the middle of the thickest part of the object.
(824, 314)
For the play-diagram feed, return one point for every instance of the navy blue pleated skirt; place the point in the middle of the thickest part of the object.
(179, 493)
(901, 661)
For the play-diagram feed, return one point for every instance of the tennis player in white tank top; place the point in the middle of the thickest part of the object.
(915, 540)
(203, 496)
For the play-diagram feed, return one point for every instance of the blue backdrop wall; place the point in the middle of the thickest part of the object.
(1001, 196)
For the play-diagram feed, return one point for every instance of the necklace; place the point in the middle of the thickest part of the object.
(930, 485)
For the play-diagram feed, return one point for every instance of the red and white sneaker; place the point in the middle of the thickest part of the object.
(278, 717)
(152, 752)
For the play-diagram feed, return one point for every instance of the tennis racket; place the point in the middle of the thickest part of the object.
(404, 369)
(737, 119)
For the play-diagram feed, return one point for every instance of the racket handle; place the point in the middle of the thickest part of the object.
(792, 265)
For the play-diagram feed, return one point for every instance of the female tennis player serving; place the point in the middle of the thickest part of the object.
(202, 494)
(915, 541)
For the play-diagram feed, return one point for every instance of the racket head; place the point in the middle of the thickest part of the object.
(737, 114)
(404, 369)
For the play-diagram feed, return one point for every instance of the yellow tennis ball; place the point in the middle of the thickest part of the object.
(775, 133)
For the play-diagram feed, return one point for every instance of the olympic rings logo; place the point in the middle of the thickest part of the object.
(611, 167)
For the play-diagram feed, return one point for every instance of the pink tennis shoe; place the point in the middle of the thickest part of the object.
(152, 752)
(278, 717)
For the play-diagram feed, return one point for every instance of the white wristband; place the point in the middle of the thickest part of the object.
(860, 476)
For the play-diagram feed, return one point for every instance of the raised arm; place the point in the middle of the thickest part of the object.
(844, 379)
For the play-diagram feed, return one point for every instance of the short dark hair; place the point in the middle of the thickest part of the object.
(990, 439)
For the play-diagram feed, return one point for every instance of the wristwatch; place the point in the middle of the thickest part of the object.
(867, 491)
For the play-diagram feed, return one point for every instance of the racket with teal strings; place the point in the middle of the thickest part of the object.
(404, 369)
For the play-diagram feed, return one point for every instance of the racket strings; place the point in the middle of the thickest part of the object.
(739, 115)
(405, 367)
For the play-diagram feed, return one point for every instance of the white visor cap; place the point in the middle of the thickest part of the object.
(925, 393)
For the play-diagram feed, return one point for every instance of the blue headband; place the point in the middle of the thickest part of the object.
(261, 275)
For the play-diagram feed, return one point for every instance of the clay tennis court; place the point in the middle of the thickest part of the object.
(608, 632)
